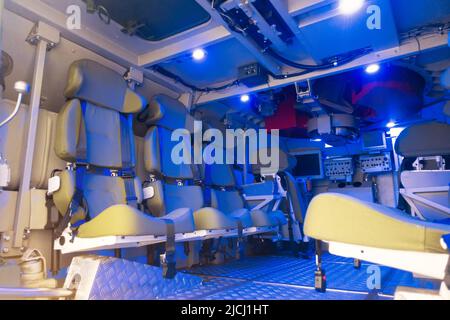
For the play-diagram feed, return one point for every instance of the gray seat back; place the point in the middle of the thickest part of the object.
(221, 183)
(172, 183)
(426, 140)
(95, 128)
(295, 194)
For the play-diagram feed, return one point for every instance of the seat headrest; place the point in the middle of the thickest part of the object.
(286, 163)
(101, 86)
(424, 140)
(169, 113)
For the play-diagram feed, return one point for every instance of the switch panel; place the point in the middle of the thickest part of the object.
(376, 163)
(339, 169)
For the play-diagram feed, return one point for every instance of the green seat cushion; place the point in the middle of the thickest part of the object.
(340, 218)
(123, 220)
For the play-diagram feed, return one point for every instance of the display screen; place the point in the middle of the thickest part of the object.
(374, 140)
(309, 166)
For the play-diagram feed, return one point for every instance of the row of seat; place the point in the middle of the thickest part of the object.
(101, 195)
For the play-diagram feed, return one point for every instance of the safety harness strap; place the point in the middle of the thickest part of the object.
(78, 202)
(128, 158)
(169, 262)
(240, 242)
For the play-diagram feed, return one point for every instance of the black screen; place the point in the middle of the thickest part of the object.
(374, 140)
(308, 165)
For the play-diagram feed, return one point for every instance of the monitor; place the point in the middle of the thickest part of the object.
(374, 141)
(309, 165)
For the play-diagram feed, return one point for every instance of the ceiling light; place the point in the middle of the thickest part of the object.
(245, 98)
(391, 124)
(199, 54)
(373, 68)
(350, 6)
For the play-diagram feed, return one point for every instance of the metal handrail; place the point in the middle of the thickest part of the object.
(23, 293)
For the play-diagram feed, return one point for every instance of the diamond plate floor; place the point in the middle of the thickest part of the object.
(289, 278)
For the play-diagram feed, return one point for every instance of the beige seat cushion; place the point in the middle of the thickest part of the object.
(340, 218)
(123, 220)
(244, 216)
(264, 219)
(213, 219)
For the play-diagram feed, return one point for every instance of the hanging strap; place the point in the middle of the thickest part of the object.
(169, 263)
(240, 241)
(78, 202)
(128, 159)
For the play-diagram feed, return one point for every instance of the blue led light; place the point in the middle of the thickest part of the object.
(348, 7)
(199, 54)
(245, 98)
(373, 68)
(391, 124)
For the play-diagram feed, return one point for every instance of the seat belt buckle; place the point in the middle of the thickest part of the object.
(149, 192)
(127, 174)
(54, 185)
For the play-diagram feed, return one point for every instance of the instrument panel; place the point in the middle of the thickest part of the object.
(376, 163)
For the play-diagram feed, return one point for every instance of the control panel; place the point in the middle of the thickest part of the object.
(339, 169)
(376, 163)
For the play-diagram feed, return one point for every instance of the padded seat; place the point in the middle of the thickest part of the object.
(263, 219)
(343, 219)
(246, 218)
(172, 183)
(95, 128)
(123, 220)
(213, 219)
(226, 197)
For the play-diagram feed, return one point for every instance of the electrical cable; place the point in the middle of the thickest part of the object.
(14, 113)
(21, 88)
(332, 63)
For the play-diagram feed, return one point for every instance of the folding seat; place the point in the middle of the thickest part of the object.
(171, 186)
(426, 189)
(279, 190)
(228, 197)
(99, 193)
(383, 235)
(12, 140)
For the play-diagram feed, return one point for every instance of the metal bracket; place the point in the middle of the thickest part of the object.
(305, 95)
(134, 77)
(7, 249)
(419, 163)
(43, 32)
